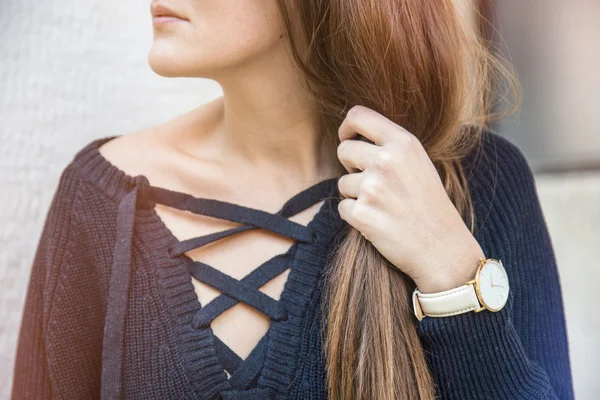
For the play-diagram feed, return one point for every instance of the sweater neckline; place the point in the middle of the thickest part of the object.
(173, 280)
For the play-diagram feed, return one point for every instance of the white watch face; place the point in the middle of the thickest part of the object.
(493, 285)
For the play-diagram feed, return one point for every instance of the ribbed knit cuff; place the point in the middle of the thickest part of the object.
(480, 356)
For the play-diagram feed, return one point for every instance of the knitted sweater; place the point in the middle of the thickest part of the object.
(111, 311)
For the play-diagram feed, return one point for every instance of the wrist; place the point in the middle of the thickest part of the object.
(487, 290)
(445, 281)
(441, 284)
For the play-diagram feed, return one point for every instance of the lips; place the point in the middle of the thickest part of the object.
(159, 10)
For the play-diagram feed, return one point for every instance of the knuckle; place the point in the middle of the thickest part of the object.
(404, 145)
(407, 141)
(383, 160)
(372, 191)
(359, 214)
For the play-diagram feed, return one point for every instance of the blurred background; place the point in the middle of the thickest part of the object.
(72, 72)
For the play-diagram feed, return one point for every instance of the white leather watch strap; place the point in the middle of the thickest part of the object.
(449, 302)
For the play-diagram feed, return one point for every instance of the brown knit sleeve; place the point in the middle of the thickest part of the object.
(32, 371)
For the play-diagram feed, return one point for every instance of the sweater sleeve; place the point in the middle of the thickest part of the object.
(520, 352)
(32, 369)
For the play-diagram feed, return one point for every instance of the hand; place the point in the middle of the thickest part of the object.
(396, 199)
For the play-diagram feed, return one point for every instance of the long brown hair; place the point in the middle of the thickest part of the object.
(422, 65)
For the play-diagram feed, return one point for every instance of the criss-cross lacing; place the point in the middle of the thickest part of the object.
(243, 372)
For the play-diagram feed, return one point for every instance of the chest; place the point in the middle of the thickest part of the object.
(237, 255)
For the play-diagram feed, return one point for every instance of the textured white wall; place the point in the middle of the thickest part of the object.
(70, 71)
(571, 206)
(74, 71)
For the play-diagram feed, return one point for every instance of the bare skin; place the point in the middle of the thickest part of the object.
(254, 146)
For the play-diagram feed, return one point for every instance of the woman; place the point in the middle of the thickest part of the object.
(351, 190)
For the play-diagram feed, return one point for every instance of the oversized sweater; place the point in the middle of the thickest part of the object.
(111, 311)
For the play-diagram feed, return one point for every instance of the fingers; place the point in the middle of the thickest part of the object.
(349, 185)
(356, 155)
(370, 124)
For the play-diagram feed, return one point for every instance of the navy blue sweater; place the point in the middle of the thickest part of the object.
(111, 311)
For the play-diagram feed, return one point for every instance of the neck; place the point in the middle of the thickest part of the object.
(268, 122)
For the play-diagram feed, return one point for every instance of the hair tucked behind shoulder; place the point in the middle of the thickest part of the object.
(422, 65)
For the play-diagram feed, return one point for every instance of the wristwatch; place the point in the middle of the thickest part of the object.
(487, 291)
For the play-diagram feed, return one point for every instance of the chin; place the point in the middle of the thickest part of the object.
(165, 63)
(171, 58)
(164, 67)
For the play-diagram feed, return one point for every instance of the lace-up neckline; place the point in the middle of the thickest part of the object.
(243, 372)
(206, 357)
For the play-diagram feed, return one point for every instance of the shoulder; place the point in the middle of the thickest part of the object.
(113, 162)
(130, 152)
(498, 158)
(501, 182)
(158, 152)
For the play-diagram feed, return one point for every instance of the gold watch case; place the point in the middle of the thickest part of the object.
(476, 283)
